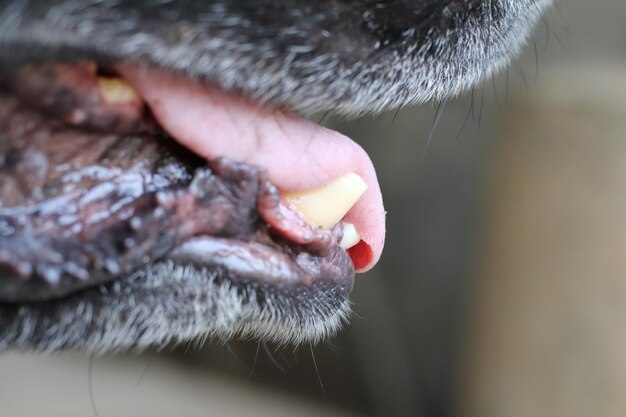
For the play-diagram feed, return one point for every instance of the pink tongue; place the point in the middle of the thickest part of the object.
(298, 154)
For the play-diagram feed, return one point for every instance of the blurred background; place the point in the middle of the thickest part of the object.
(502, 289)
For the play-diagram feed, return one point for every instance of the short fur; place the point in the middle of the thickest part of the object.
(169, 303)
(349, 56)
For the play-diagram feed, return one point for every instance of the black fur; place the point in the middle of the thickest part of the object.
(349, 56)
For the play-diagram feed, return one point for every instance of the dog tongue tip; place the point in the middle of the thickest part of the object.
(362, 256)
(297, 153)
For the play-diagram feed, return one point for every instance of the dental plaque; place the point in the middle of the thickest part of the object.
(326, 206)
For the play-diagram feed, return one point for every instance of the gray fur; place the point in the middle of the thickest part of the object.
(168, 304)
(350, 56)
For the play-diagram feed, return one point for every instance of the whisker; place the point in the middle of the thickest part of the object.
(92, 398)
(256, 356)
(269, 354)
(440, 107)
(319, 377)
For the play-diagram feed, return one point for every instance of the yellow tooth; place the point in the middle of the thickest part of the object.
(325, 206)
(116, 90)
(350, 236)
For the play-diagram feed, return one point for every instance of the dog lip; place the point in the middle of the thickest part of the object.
(311, 256)
(263, 264)
(297, 153)
(130, 200)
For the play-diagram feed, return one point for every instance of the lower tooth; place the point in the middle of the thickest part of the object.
(350, 236)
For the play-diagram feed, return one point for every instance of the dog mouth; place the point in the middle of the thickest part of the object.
(108, 169)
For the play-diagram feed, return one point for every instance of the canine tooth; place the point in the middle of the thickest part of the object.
(116, 90)
(350, 236)
(325, 206)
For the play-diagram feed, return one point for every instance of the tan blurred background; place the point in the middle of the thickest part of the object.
(502, 290)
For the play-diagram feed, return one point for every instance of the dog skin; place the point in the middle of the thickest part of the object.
(269, 57)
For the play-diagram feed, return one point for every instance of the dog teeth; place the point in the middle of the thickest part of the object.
(116, 90)
(324, 207)
(350, 236)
